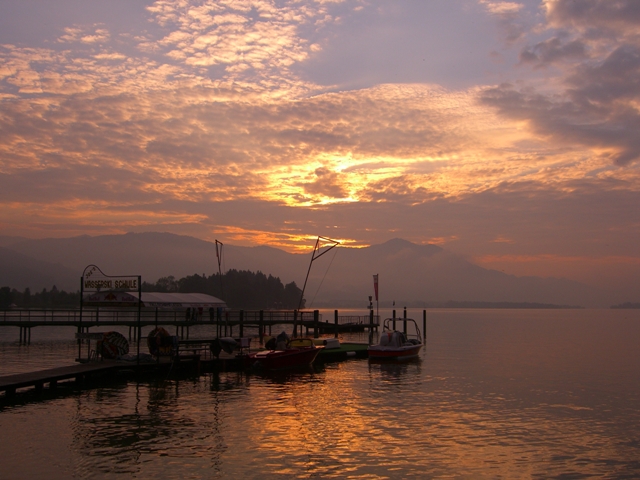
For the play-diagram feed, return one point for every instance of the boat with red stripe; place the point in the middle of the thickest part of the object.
(397, 345)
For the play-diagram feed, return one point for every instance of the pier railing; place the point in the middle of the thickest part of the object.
(224, 320)
(91, 315)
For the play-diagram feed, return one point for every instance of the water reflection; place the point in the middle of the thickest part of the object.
(494, 395)
(396, 369)
(129, 430)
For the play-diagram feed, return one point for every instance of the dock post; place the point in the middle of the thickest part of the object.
(424, 326)
(394, 320)
(404, 317)
(29, 341)
(295, 324)
(261, 327)
(370, 326)
(241, 322)
(316, 319)
(79, 341)
(335, 321)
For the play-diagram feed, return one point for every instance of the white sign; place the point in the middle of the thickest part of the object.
(94, 280)
(127, 284)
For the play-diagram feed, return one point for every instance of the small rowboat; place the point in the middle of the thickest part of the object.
(395, 345)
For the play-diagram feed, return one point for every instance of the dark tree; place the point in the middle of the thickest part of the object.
(6, 298)
(238, 288)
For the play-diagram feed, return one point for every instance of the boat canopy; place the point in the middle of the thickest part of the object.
(115, 298)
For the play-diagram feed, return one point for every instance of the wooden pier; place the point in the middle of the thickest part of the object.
(81, 372)
(51, 377)
(230, 323)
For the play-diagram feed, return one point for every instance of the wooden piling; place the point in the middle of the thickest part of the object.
(370, 326)
(424, 326)
(261, 327)
(404, 317)
(295, 323)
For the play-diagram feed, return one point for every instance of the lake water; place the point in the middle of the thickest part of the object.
(495, 394)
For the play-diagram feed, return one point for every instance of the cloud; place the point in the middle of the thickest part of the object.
(249, 39)
(88, 35)
(509, 18)
(593, 100)
(553, 51)
(501, 7)
(204, 122)
(595, 18)
(326, 184)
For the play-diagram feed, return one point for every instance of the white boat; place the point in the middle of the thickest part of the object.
(395, 345)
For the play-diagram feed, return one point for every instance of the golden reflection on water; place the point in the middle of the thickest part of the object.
(481, 402)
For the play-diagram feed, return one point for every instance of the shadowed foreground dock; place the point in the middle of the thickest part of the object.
(51, 376)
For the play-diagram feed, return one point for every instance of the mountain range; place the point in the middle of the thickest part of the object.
(409, 274)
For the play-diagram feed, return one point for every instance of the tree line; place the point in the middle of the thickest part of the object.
(238, 288)
(53, 298)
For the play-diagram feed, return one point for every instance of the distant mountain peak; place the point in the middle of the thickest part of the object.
(396, 244)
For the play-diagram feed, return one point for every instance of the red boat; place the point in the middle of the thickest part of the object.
(296, 353)
(395, 345)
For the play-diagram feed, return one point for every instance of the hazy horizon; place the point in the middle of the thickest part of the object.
(408, 273)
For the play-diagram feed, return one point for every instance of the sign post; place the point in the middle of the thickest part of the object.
(95, 280)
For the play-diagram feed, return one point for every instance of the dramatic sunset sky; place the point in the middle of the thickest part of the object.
(505, 131)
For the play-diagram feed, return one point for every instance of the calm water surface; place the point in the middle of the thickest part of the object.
(495, 394)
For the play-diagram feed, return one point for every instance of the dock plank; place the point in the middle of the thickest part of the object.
(29, 379)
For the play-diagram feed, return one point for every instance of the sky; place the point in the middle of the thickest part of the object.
(503, 131)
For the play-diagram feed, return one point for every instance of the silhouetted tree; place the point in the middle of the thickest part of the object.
(6, 298)
(238, 288)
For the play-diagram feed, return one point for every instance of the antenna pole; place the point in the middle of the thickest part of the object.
(219, 257)
(316, 249)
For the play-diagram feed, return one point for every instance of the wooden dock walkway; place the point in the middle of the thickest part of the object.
(226, 324)
(51, 376)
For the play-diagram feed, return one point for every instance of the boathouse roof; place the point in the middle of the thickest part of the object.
(117, 298)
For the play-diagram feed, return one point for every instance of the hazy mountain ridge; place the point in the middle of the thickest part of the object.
(21, 271)
(343, 277)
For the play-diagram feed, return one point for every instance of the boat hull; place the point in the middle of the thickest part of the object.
(281, 359)
(377, 352)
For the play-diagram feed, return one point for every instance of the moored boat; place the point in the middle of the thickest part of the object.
(395, 345)
(336, 350)
(300, 352)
